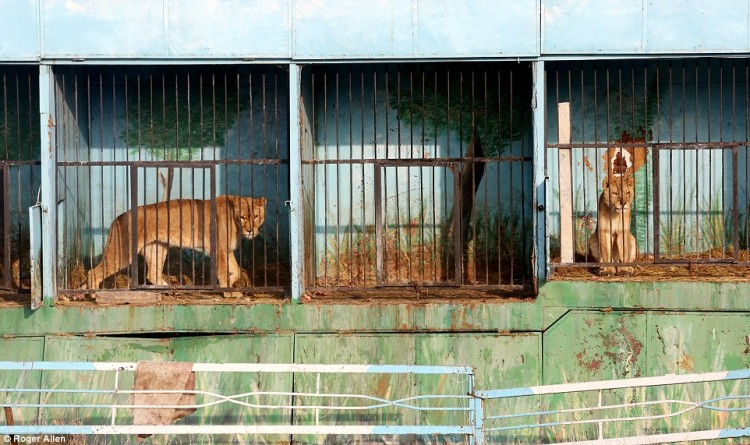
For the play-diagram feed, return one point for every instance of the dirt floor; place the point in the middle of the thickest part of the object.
(692, 268)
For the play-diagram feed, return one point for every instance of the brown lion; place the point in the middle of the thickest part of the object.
(184, 223)
(612, 241)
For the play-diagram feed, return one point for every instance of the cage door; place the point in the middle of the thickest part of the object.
(417, 231)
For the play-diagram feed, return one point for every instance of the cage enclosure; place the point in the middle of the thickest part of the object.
(417, 178)
(671, 137)
(153, 163)
(20, 176)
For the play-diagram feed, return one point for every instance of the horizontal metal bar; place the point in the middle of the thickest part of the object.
(234, 429)
(202, 163)
(668, 438)
(616, 384)
(418, 162)
(242, 367)
(657, 145)
(12, 163)
(177, 288)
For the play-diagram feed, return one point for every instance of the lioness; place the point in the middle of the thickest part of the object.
(181, 223)
(612, 241)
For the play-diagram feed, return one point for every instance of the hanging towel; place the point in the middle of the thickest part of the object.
(162, 375)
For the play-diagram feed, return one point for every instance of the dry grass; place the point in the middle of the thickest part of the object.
(351, 260)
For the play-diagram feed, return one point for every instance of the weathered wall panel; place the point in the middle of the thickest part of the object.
(239, 349)
(391, 349)
(595, 346)
(19, 27)
(95, 349)
(228, 28)
(22, 349)
(452, 28)
(686, 343)
(697, 26)
(89, 28)
(392, 28)
(650, 26)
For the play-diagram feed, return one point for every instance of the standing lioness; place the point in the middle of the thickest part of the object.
(612, 242)
(184, 223)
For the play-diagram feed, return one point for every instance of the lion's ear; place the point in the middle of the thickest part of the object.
(233, 200)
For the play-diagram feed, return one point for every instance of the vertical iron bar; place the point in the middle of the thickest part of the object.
(458, 249)
(325, 181)
(213, 227)
(6, 218)
(735, 206)
(338, 185)
(352, 248)
(134, 225)
(378, 227)
(657, 206)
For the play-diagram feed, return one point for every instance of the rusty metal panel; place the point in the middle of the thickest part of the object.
(19, 30)
(228, 28)
(595, 346)
(21, 349)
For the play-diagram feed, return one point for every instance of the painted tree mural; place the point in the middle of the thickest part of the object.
(173, 115)
(486, 106)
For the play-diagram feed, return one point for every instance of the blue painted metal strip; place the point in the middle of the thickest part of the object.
(739, 374)
(539, 220)
(295, 185)
(734, 432)
(49, 181)
(504, 393)
(47, 366)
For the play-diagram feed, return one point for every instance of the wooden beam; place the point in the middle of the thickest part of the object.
(566, 183)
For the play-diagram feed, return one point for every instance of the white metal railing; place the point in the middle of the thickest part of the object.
(461, 412)
(603, 414)
(460, 402)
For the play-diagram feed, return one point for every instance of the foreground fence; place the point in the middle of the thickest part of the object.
(297, 402)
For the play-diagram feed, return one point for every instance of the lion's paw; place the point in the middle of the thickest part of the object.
(233, 295)
(607, 271)
(625, 271)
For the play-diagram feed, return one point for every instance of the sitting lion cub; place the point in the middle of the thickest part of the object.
(181, 223)
(612, 241)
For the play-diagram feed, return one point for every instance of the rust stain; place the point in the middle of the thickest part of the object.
(384, 386)
(587, 163)
(592, 365)
(686, 362)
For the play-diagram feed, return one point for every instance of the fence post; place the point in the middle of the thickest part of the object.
(476, 411)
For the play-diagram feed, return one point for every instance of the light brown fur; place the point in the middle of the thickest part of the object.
(181, 223)
(612, 241)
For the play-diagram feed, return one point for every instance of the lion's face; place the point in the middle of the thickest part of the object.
(618, 193)
(252, 214)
